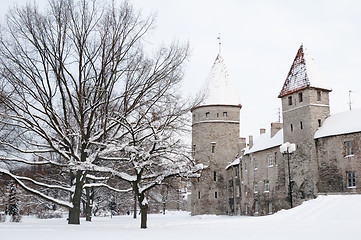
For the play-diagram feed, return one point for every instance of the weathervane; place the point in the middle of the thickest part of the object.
(219, 42)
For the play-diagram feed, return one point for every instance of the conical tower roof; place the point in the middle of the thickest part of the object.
(219, 89)
(303, 74)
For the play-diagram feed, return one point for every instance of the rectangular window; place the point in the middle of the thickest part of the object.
(208, 114)
(255, 162)
(213, 149)
(291, 128)
(270, 160)
(351, 180)
(215, 194)
(318, 95)
(199, 195)
(349, 148)
(319, 122)
(301, 125)
(300, 97)
(255, 187)
(256, 207)
(224, 114)
(290, 100)
(236, 171)
(266, 186)
(214, 176)
(269, 207)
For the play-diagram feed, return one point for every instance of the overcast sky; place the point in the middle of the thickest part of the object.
(259, 42)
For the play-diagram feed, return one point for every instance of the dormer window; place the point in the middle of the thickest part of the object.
(290, 100)
(208, 114)
(318, 95)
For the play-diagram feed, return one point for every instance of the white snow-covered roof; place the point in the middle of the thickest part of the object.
(235, 162)
(340, 123)
(219, 89)
(304, 73)
(264, 141)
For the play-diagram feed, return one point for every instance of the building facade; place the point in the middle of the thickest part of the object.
(327, 159)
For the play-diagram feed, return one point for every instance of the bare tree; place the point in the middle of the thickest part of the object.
(80, 86)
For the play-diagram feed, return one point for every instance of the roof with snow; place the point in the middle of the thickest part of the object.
(265, 141)
(235, 162)
(304, 73)
(219, 89)
(340, 123)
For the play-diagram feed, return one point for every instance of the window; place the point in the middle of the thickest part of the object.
(291, 128)
(270, 160)
(351, 180)
(214, 176)
(198, 179)
(301, 125)
(236, 171)
(194, 147)
(255, 187)
(245, 166)
(199, 195)
(266, 186)
(215, 194)
(269, 207)
(318, 95)
(256, 207)
(290, 100)
(217, 114)
(224, 114)
(300, 97)
(213, 149)
(208, 114)
(349, 148)
(319, 122)
(255, 162)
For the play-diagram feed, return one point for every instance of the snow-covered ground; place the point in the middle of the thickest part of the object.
(327, 217)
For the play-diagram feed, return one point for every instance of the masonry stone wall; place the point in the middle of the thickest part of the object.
(215, 134)
(334, 163)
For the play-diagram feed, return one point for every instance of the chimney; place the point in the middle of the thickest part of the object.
(262, 131)
(241, 145)
(275, 127)
(250, 141)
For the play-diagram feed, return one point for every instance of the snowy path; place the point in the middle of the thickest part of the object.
(327, 217)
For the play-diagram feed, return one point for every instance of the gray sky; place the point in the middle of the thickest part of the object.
(259, 42)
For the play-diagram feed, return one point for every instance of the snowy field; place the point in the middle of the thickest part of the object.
(327, 217)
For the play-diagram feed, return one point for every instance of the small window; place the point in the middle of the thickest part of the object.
(208, 114)
(301, 125)
(255, 164)
(245, 166)
(199, 195)
(290, 100)
(291, 128)
(300, 97)
(266, 186)
(318, 95)
(213, 149)
(224, 114)
(349, 148)
(217, 114)
(351, 180)
(215, 194)
(214, 176)
(256, 207)
(270, 160)
(194, 147)
(236, 171)
(198, 179)
(319, 123)
(255, 187)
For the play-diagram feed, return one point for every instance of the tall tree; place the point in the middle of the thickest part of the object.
(81, 88)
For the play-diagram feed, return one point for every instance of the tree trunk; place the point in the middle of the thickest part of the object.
(89, 203)
(135, 206)
(74, 213)
(143, 215)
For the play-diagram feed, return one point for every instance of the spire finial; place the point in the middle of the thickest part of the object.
(219, 42)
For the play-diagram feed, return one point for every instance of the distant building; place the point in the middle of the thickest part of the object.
(327, 159)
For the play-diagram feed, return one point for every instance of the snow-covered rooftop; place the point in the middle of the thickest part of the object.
(340, 123)
(265, 141)
(304, 73)
(235, 162)
(219, 89)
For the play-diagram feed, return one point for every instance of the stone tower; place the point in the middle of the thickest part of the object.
(305, 106)
(215, 133)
